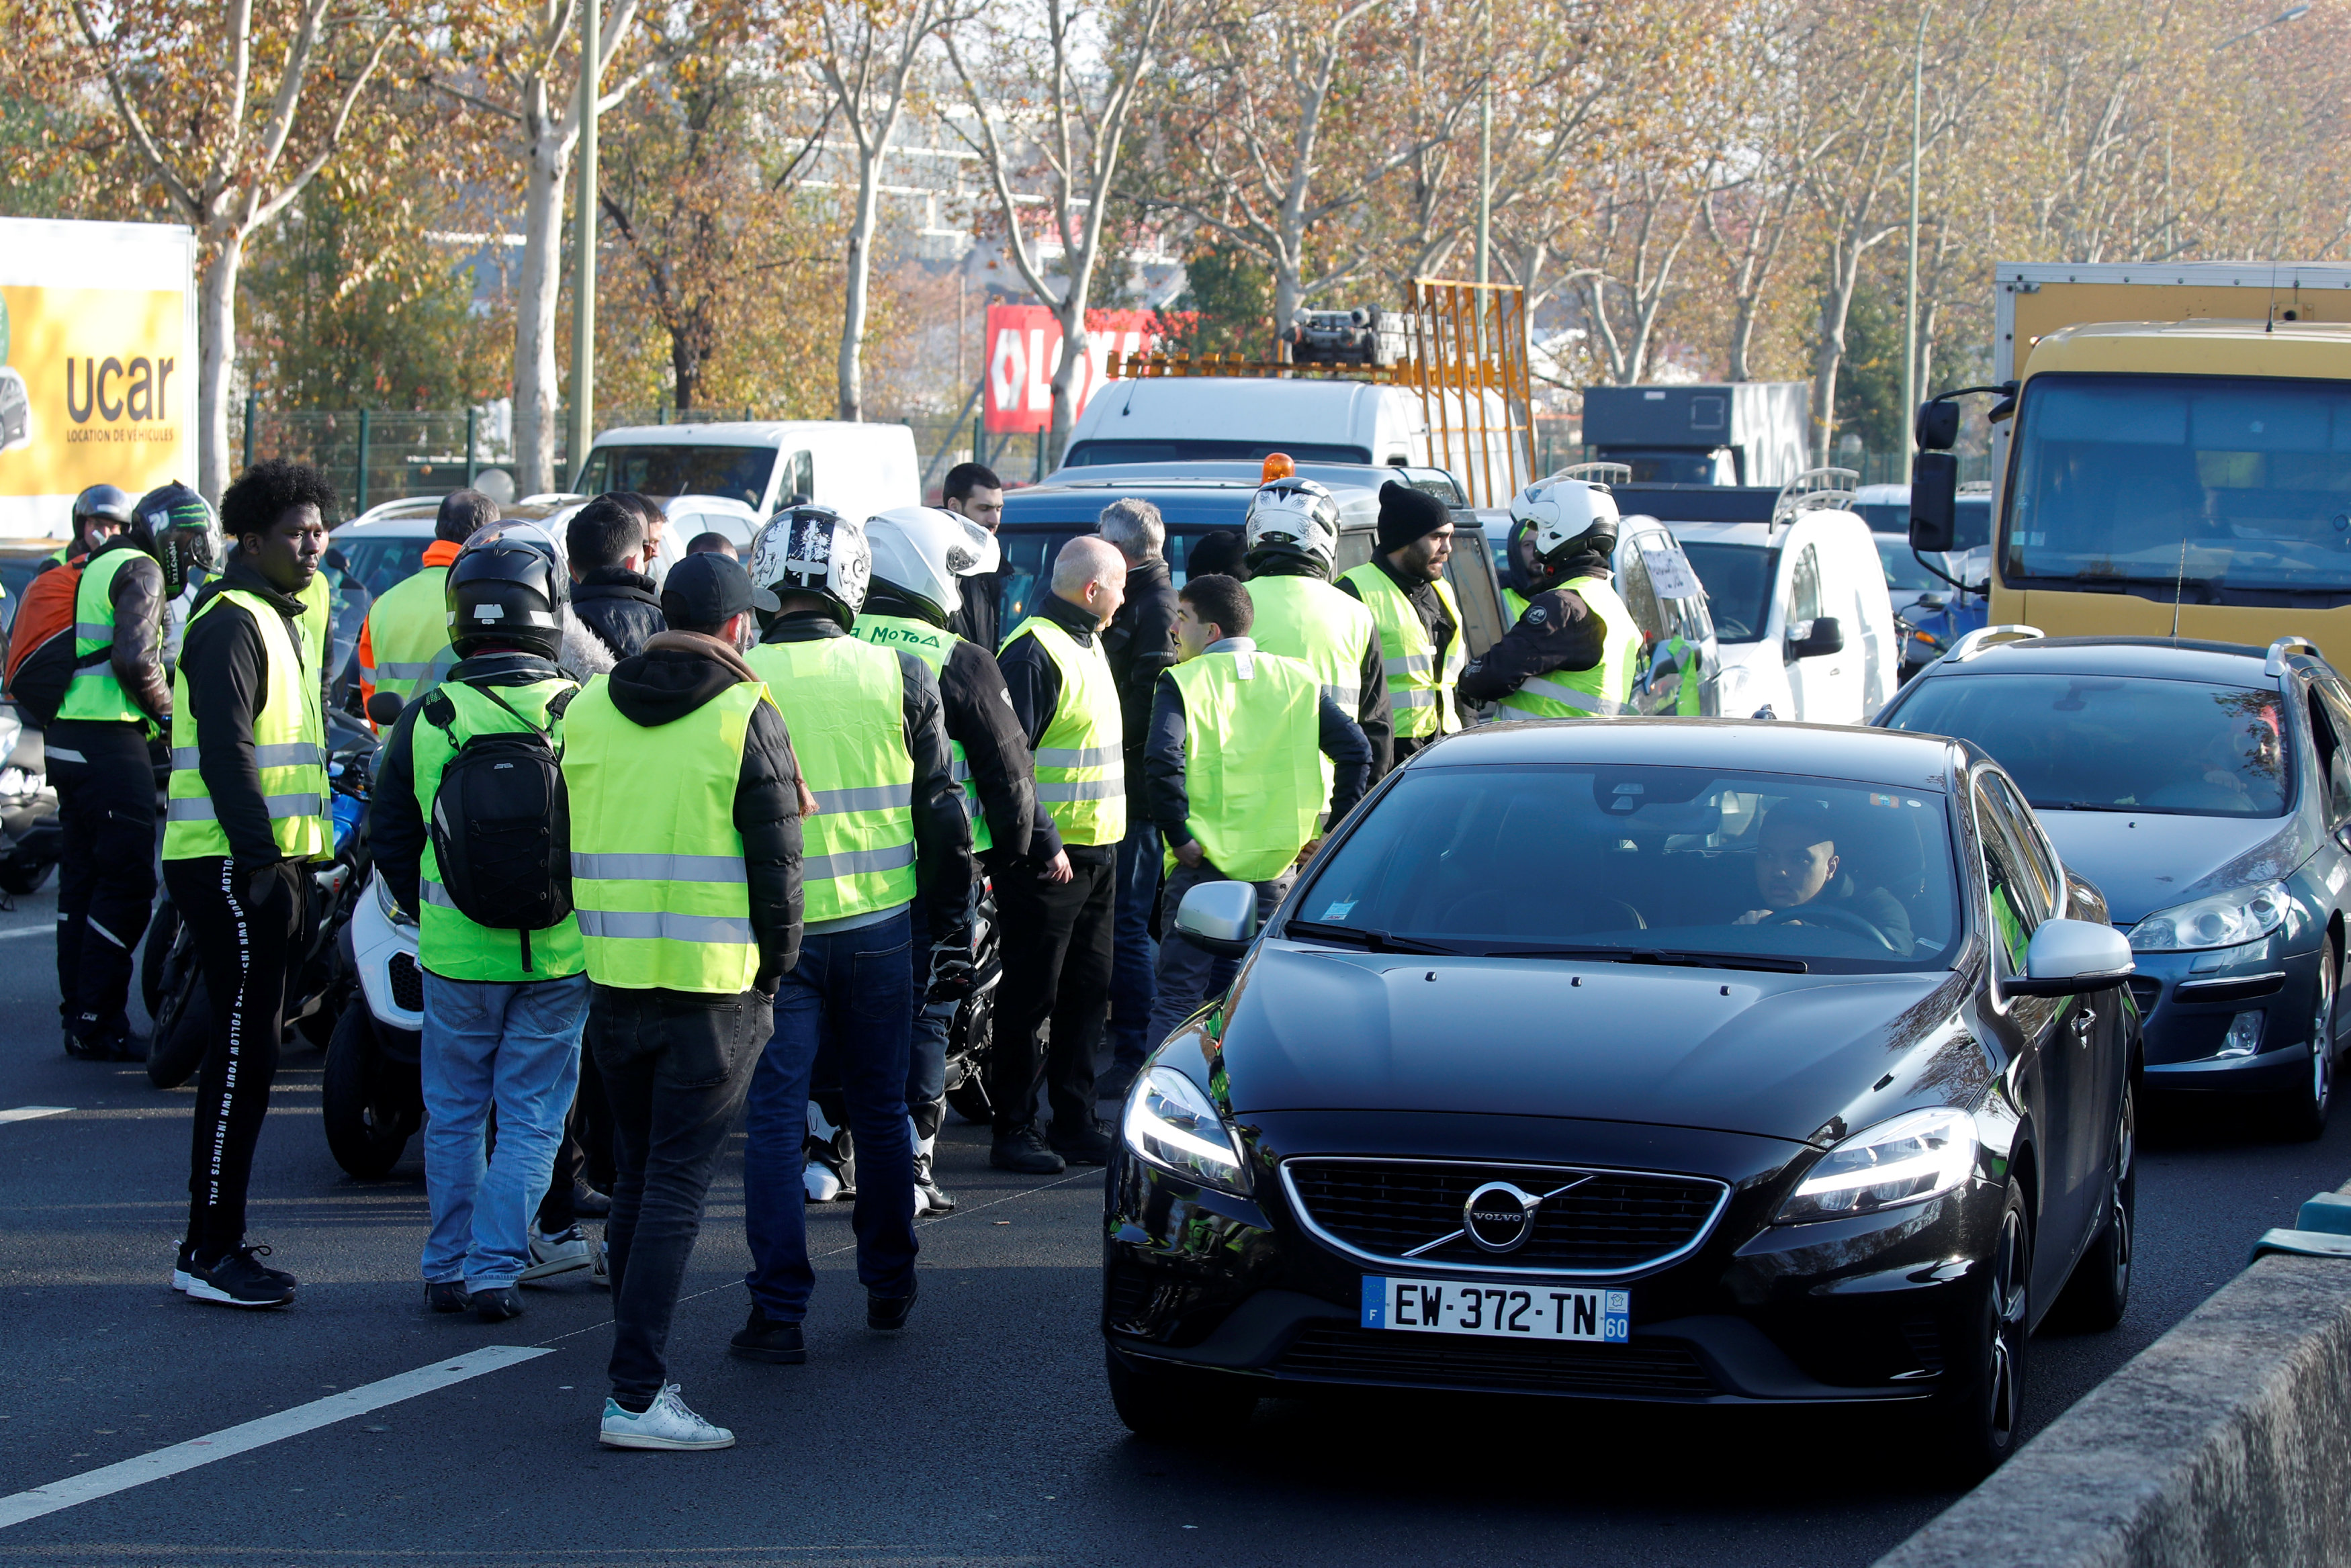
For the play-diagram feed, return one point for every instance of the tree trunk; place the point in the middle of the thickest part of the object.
(536, 383)
(1828, 359)
(217, 353)
(861, 269)
(1074, 348)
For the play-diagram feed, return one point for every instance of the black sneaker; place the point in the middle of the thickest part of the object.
(888, 1313)
(1024, 1152)
(445, 1295)
(1087, 1145)
(762, 1338)
(496, 1304)
(590, 1204)
(239, 1278)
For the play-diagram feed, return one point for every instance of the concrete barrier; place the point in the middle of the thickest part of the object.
(2227, 1442)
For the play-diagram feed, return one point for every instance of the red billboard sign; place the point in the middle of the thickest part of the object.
(1024, 348)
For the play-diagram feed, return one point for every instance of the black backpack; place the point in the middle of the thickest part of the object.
(501, 824)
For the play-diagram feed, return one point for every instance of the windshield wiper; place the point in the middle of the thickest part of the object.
(1672, 957)
(2084, 805)
(1376, 942)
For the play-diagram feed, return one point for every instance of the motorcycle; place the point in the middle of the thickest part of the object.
(971, 1031)
(31, 841)
(171, 980)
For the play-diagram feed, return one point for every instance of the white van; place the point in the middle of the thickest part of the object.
(857, 470)
(1796, 593)
(1193, 419)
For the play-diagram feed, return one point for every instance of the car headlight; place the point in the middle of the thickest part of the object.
(1170, 1123)
(1908, 1159)
(2223, 921)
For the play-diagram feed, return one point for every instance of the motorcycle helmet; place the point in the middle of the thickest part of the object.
(509, 592)
(921, 551)
(100, 502)
(539, 536)
(1562, 518)
(812, 550)
(180, 530)
(1292, 520)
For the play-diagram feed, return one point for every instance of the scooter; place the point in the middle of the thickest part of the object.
(31, 841)
(374, 1099)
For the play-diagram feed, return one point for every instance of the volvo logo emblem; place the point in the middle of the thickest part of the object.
(1499, 1217)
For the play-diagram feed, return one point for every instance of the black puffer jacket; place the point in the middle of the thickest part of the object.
(621, 606)
(677, 674)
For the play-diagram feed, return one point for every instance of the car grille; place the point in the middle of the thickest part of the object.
(1444, 1361)
(2145, 991)
(1614, 1221)
(407, 983)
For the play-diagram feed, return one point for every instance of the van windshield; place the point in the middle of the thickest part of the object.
(2223, 489)
(738, 472)
(1738, 579)
(1097, 453)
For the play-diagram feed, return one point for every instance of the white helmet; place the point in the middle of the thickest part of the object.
(921, 551)
(812, 550)
(1292, 519)
(1565, 515)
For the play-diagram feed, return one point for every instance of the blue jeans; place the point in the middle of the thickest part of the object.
(517, 1046)
(852, 995)
(1133, 955)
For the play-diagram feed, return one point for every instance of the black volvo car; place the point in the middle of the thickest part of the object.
(1656, 1060)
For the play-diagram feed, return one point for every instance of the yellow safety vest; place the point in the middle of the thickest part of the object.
(1252, 760)
(934, 645)
(289, 747)
(1081, 755)
(1420, 695)
(408, 634)
(1600, 691)
(1306, 618)
(94, 693)
(658, 884)
(845, 702)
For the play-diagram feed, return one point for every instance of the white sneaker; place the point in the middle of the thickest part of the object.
(668, 1424)
(604, 1265)
(822, 1184)
(552, 1255)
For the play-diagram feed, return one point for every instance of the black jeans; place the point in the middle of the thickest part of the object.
(105, 880)
(675, 1065)
(1056, 965)
(245, 930)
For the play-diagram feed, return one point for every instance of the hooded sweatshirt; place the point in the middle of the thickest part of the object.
(222, 659)
(677, 674)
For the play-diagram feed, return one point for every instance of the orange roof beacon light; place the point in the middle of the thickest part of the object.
(1277, 465)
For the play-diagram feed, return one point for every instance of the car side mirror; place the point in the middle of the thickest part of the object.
(1822, 634)
(1938, 425)
(1219, 917)
(1934, 501)
(383, 709)
(2068, 958)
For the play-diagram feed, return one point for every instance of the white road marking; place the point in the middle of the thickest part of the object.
(28, 931)
(233, 1440)
(26, 1113)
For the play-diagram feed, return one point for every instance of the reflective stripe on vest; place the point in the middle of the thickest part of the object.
(844, 701)
(448, 944)
(1252, 760)
(657, 877)
(1599, 692)
(1306, 618)
(934, 645)
(408, 634)
(94, 693)
(1081, 755)
(1415, 683)
(289, 745)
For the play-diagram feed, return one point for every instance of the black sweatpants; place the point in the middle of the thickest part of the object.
(245, 938)
(1057, 963)
(105, 880)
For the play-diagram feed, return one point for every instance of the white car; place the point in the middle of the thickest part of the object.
(858, 469)
(1797, 593)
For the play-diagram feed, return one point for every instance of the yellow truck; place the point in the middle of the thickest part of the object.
(2172, 452)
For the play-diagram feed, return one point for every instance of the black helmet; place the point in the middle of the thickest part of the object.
(506, 592)
(101, 501)
(180, 530)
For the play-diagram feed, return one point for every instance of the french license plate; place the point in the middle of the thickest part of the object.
(1500, 1312)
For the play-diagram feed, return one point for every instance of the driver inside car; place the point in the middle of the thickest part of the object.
(1797, 868)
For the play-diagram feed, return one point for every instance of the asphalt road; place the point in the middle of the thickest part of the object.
(980, 1436)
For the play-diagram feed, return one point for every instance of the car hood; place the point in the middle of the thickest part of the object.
(1770, 1055)
(2143, 863)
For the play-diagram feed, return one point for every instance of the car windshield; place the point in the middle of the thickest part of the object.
(2106, 742)
(1098, 453)
(1655, 865)
(1903, 572)
(2226, 489)
(1970, 520)
(736, 472)
(1738, 579)
(378, 563)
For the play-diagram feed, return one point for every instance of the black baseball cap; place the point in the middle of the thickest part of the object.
(704, 593)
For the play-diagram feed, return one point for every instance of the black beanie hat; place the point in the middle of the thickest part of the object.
(1406, 514)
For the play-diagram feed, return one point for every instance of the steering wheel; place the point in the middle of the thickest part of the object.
(1829, 915)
